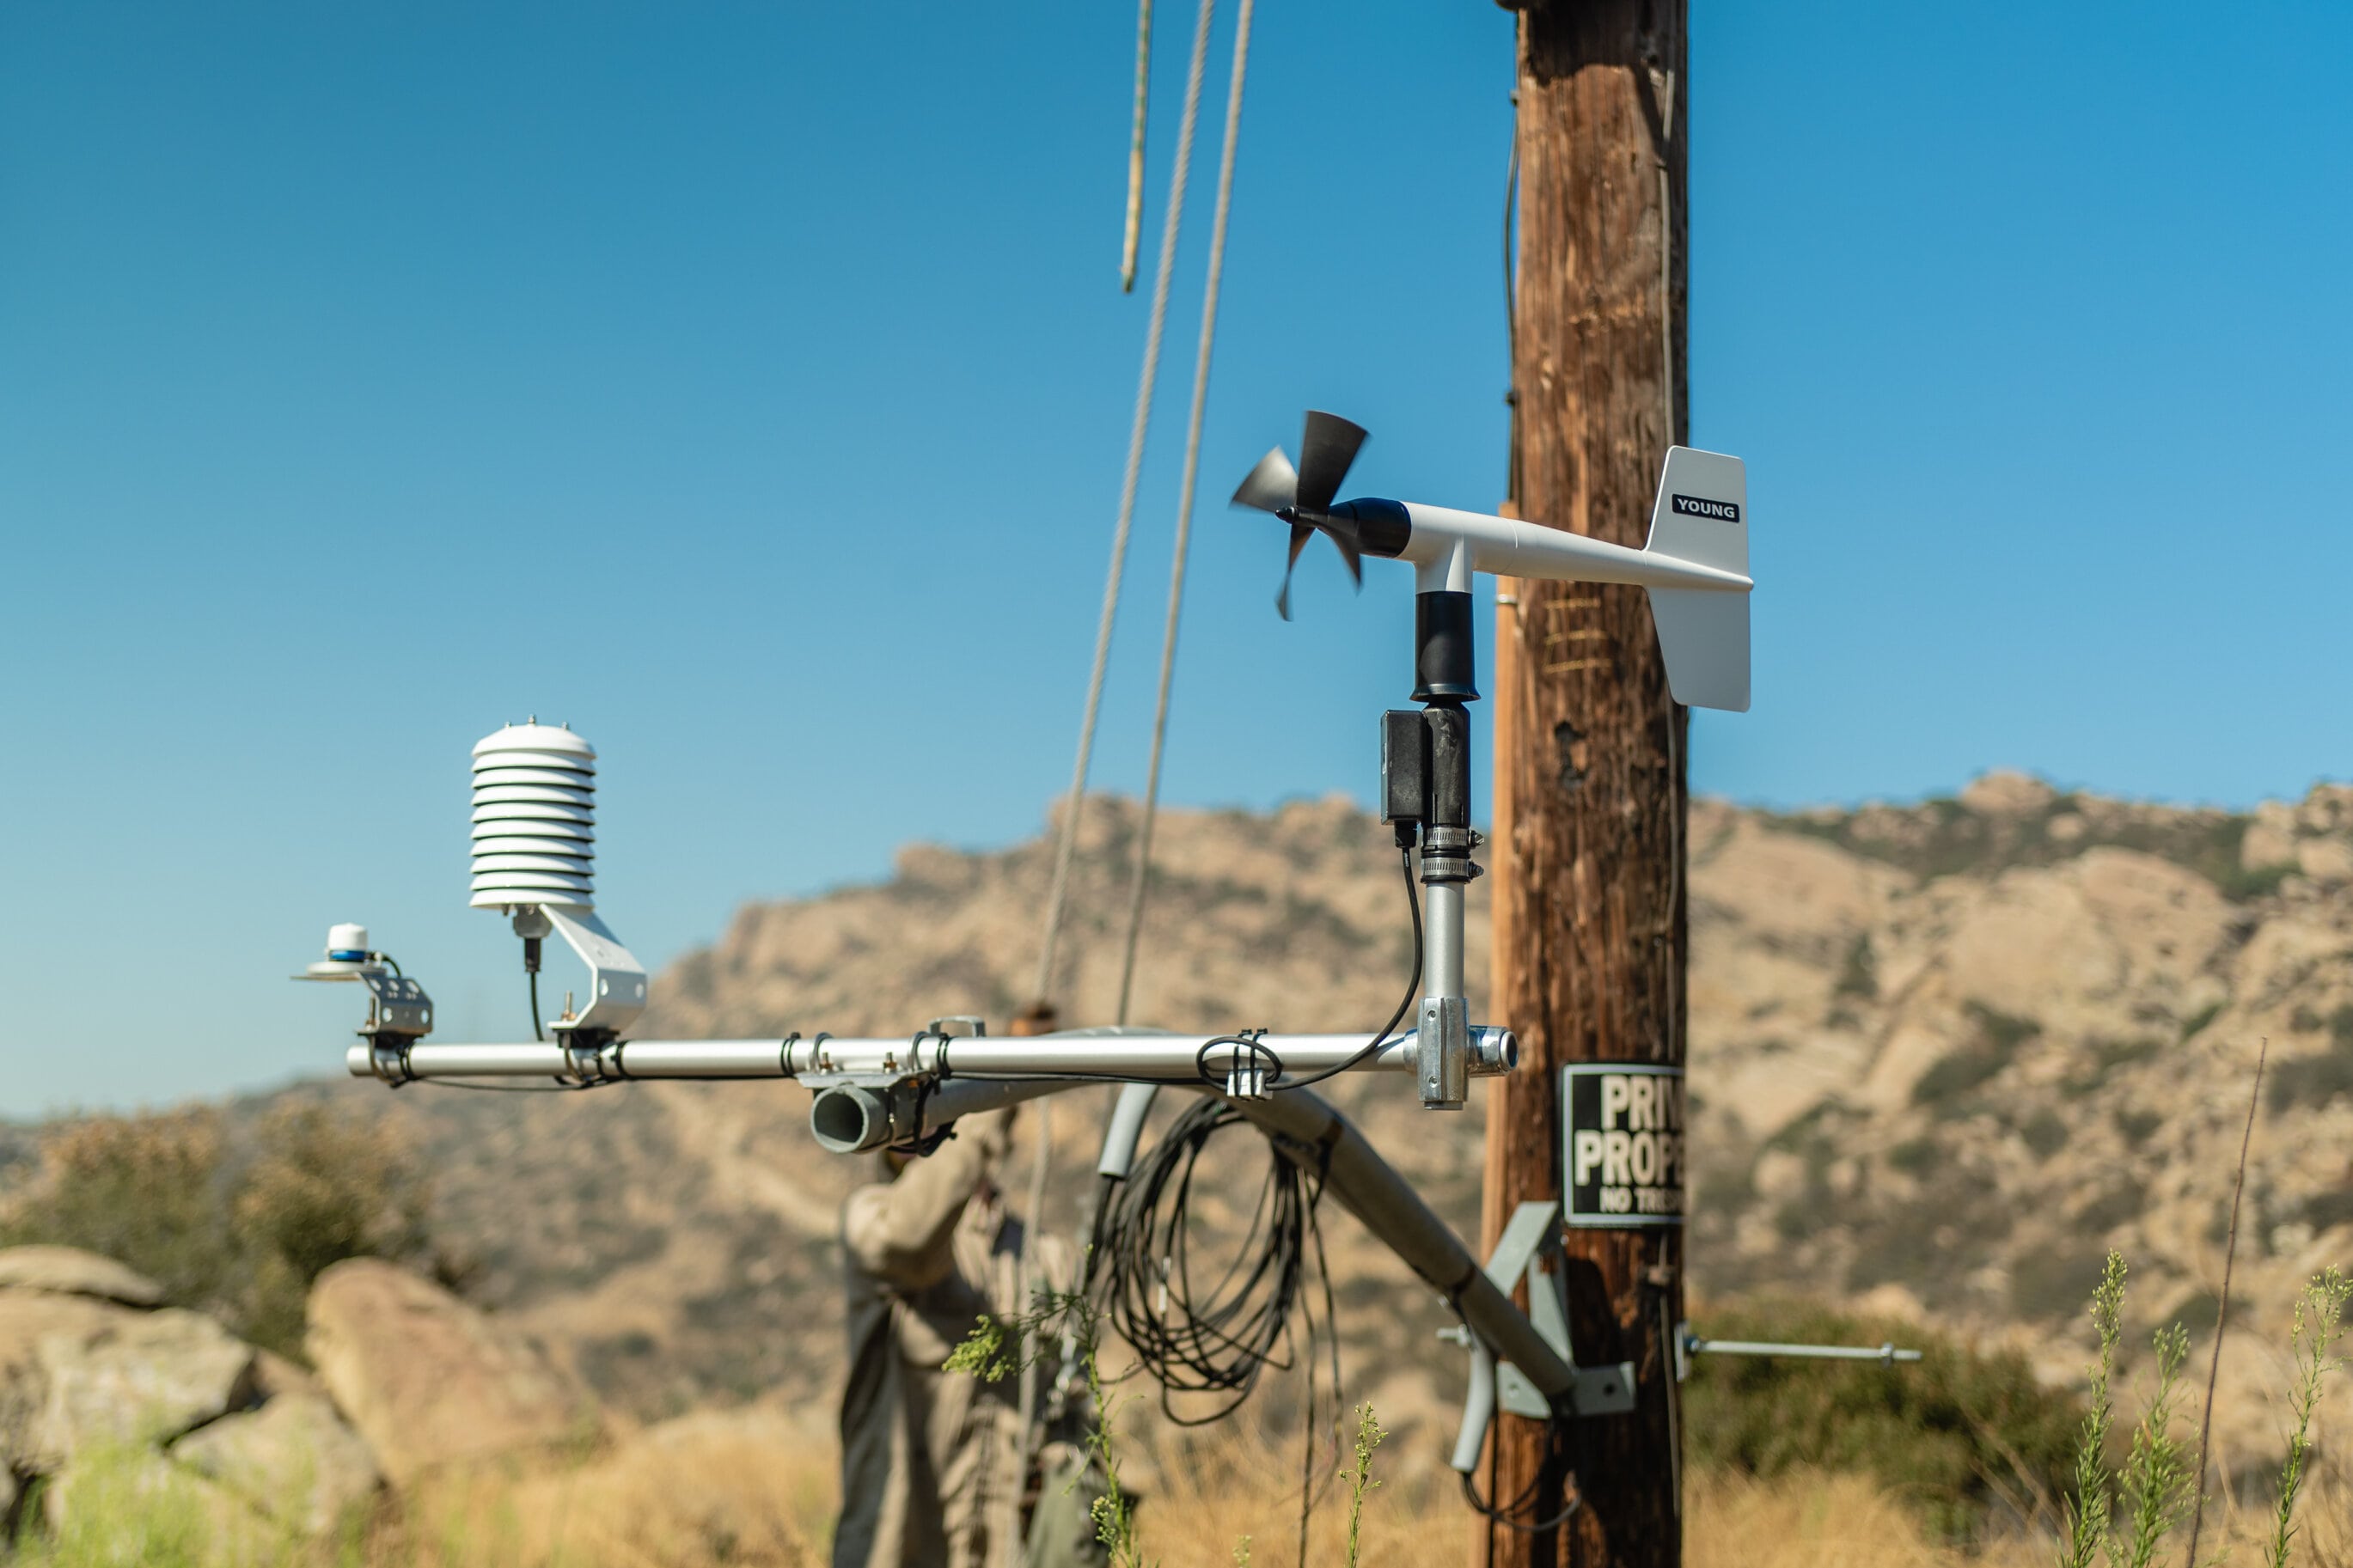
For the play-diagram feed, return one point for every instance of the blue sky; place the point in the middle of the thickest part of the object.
(748, 387)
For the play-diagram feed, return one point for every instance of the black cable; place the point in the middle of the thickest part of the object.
(498, 1088)
(1512, 311)
(1555, 1449)
(388, 962)
(1251, 1050)
(1413, 988)
(535, 1032)
(1200, 1330)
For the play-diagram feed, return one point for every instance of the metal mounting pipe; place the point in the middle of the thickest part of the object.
(849, 1118)
(1157, 1058)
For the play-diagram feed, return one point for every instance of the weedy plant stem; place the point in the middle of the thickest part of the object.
(999, 1348)
(2319, 1323)
(1369, 1434)
(2091, 1509)
(2155, 1482)
(2222, 1304)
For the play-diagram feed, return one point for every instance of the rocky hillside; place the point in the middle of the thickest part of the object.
(1944, 1055)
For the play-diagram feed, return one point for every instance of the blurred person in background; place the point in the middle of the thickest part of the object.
(934, 1466)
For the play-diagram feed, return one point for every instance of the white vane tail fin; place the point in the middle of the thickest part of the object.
(1702, 517)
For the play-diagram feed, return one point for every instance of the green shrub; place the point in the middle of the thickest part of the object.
(1999, 1035)
(2044, 1285)
(146, 1191)
(2045, 1132)
(1795, 1219)
(1726, 1190)
(2197, 1021)
(1961, 1435)
(242, 1238)
(2312, 1082)
(1915, 1156)
(2327, 1210)
(2004, 1031)
(2243, 883)
(1958, 1072)
(1859, 974)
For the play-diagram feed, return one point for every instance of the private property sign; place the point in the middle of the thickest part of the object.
(1622, 1154)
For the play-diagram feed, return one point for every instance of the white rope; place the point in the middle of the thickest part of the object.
(1135, 224)
(1056, 895)
(1041, 1160)
(1185, 500)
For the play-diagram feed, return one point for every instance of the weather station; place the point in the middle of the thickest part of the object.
(533, 857)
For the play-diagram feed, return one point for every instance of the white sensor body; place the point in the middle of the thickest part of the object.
(535, 848)
(1695, 565)
(534, 820)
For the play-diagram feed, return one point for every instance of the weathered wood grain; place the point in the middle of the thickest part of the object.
(1589, 908)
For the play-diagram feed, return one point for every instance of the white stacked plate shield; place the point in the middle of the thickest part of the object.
(534, 819)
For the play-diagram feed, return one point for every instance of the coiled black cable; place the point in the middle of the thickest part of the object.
(1204, 1326)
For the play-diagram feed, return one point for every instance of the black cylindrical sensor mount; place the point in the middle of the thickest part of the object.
(1444, 661)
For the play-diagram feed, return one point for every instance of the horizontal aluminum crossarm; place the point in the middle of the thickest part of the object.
(1147, 1058)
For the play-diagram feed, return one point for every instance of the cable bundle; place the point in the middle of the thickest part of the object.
(1205, 1327)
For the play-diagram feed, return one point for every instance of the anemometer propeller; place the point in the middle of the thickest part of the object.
(1695, 565)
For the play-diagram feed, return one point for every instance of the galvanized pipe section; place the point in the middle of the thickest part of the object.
(702, 1058)
(1126, 1130)
(1179, 1058)
(636, 1059)
(1478, 1411)
(850, 1120)
(1443, 943)
(526, 1060)
(1156, 1059)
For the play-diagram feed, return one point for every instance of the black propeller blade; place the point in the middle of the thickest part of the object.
(1272, 485)
(1303, 497)
(1300, 534)
(1325, 449)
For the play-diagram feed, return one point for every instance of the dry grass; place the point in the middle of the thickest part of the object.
(1811, 1519)
(750, 1488)
(755, 1488)
(739, 1490)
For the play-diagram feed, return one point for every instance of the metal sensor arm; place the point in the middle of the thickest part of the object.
(1077, 1056)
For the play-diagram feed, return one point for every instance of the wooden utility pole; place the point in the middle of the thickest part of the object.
(1589, 778)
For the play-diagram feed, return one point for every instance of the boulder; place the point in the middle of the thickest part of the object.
(293, 1458)
(70, 1271)
(428, 1380)
(27, 1319)
(138, 1377)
